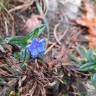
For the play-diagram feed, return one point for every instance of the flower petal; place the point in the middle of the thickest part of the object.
(36, 47)
(35, 42)
(42, 41)
(41, 47)
(31, 47)
(41, 50)
(34, 53)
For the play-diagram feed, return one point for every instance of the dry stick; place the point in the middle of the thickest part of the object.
(20, 7)
(6, 27)
(31, 92)
(55, 34)
(57, 46)
(13, 28)
(49, 49)
(46, 6)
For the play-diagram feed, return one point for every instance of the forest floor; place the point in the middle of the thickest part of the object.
(70, 26)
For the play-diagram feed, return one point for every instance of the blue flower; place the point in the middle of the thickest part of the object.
(37, 47)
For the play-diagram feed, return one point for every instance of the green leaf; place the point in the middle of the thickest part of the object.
(24, 58)
(24, 55)
(88, 66)
(45, 21)
(22, 40)
(94, 1)
(1, 79)
(74, 59)
(83, 52)
(88, 54)
(93, 79)
(34, 34)
(13, 40)
(1, 39)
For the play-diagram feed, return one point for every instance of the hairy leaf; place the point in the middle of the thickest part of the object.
(88, 66)
(22, 40)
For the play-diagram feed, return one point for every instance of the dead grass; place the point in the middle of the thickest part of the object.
(14, 13)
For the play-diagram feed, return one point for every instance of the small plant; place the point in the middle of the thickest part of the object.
(88, 64)
(8, 47)
(37, 47)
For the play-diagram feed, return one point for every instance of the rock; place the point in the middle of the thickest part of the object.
(62, 11)
(69, 8)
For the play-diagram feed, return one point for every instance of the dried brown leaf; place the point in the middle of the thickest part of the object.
(88, 19)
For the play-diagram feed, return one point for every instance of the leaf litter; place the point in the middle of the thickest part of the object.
(55, 75)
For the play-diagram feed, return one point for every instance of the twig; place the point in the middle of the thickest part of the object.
(49, 49)
(55, 33)
(20, 7)
(6, 27)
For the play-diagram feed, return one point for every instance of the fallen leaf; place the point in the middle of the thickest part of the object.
(88, 19)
